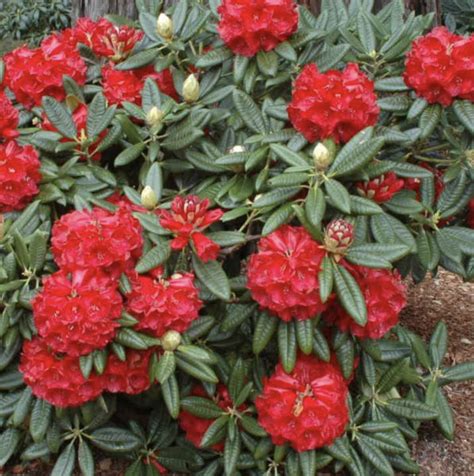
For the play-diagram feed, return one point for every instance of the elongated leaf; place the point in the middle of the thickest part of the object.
(115, 440)
(287, 345)
(65, 463)
(249, 111)
(264, 330)
(213, 277)
(155, 257)
(60, 117)
(350, 295)
(411, 409)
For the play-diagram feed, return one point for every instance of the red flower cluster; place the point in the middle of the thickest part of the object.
(381, 189)
(163, 304)
(79, 116)
(106, 39)
(129, 376)
(35, 73)
(19, 176)
(57, 379)
(283, 275)
(120, 86)
(96, 239)
(77, 314)
(335, 104)
(440, 67)
(187, 219)
(8, 119)
(385, 297)
(306, 408)
(250, 26)
(194, 426)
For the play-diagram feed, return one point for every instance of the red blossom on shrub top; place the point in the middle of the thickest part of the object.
(195, 427)
(19, 176)
(96, 238)
(120, 86)
(250, 26)
(79, 313)
(332, 105)
(283, 276)
(162, 304)
(79, 116)
(56, 379)
(306, 408)
(33, 74)
(8, 119)
(385, 297)
(440, 67)
(130, 376)
(106, 39)
(187, 218)
(381, 189)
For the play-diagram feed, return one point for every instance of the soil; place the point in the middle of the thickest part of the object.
(446, 298)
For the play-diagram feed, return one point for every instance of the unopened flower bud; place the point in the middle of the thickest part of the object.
(171, 340)
(154, 117)
(148, 198)
(191, 89)
(321, 157)
(164, 26)
(237, 149)
(339, 236)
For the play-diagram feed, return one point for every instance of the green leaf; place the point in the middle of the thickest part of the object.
(326, 279)
(331, 56)
(286, 51)
(215, 432)
(98, 116)
(85, 459)
(275, 197)
(65, 463)
(366, 32)
(153, 258)
(289, 156)
(138, 60)
(339, 450)
(40, 419)
(464, 111)
(213, 277)
(375, 457)
(22, 407)
(392, 84)
(154, 179)
(166, 366)
(411, 409)
(214, 57)
(315, 206)
(196, 369)
(459, 372)
(129, 338)
(338, 195)
(264, 329)
(429, 120)
(345, 356)
(59, 117)
(321, 346)
(9, 441)
(267, 62)
(392, 377)
(360, 156)
(445, 420)
(236, 379)
(231, 454)
(201, 407)
(287, 345)
(307, 460)
(418, 106)
(130, 154)
(181, 140)
(350, 295)
(304, 335)
(115, 440)
(170, 393)
(281, 215)
(249, 112)
(236, 315)
(389, 230)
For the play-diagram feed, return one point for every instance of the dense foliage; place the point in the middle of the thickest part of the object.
(205, 222)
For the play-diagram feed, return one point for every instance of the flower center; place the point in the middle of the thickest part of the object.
(300, 396)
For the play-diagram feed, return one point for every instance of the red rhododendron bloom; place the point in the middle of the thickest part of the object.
(122, 201)
(195, 427)
(164, 304)
(250, 26)
(385, 297)
(120, 86)
(306, 408)
(440, 67)
(96, 238)
(79, 116)
(56, 379)
(8, 119)
(130, 376)
(283, 275)
(381, 189)
(106, 39)
(34, 73)
(335, 104)
(187, 218)
(19, 176)
(77, 314)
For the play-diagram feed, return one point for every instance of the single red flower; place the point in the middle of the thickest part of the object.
(250, 26)
(96, 238)
(130, 376)
(385, 297)
(79, 117)
(32, 74)
(8, 119)
(283, 275)
(78, 313)
(195, 427)
(187, 219)
(19, 176)
(120, 86)
(381, 189)
(56, 378)
(335, 105)
(440, 67)
(106, 39)
(162, 304)
(306, 408)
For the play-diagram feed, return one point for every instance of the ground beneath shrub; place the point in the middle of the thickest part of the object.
(445, 297)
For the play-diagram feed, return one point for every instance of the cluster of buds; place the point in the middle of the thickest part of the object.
(338, 237)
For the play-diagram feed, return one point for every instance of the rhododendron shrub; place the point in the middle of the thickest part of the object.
(209, 220)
